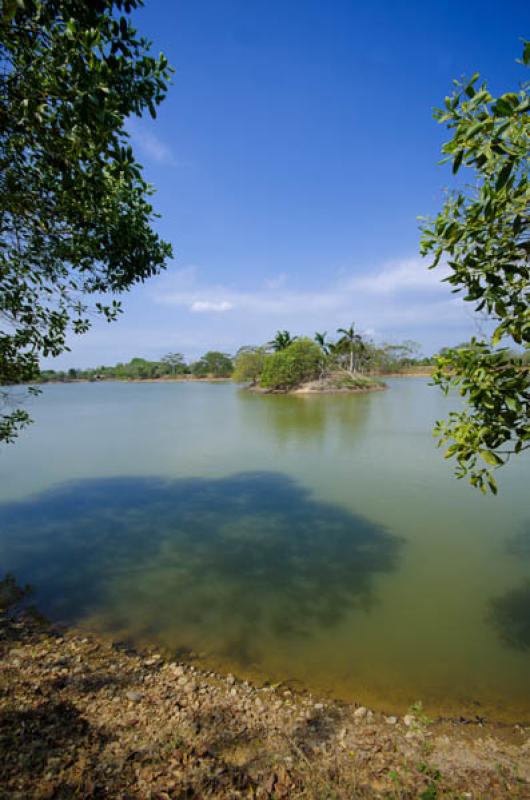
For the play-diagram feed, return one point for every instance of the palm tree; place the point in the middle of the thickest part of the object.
(282, 340)
(320, 339)
(352, 340)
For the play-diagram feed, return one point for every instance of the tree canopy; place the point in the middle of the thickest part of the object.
(75, 217)
(213, 364)
(248, 364)
(483, 235)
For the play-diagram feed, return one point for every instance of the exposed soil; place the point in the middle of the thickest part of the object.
(86, 718)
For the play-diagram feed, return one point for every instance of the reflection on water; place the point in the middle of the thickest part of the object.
(231, 564)
(314, 417)
(511, 616)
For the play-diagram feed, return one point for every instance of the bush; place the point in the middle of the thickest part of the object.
(248, 364)
(298, 363)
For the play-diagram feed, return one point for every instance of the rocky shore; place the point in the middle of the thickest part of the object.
(87, 718)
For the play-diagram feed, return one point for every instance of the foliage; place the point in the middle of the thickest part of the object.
(213, 364)
(341, 364)
(175, 363)
(248, 364)
(282, 340)
(483, 232)
(298, 362)
(352, 344)
(323, 343)
(135, 369)
(75, 218)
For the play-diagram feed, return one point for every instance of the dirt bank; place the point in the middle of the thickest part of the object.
(82, 717)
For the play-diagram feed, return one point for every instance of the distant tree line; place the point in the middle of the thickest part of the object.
(283, 362)
(212, 364)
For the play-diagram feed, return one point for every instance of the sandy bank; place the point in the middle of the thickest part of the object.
(325, 386)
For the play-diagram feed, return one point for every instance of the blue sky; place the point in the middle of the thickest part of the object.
(292, 157)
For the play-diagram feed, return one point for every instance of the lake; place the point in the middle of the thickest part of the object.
(317, 540)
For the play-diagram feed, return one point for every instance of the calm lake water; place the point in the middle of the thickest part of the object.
(317, 540)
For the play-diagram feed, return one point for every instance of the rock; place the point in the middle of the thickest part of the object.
(319, 706)
(233, 692)
(360, 713)
(182, 681)
(150, 662)
(391, 720)
(177, 669)
(230, 679)
(134, 697)
(408, 720)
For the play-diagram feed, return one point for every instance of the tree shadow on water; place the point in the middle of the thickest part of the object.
(510, 614)
(519, 544)
(236, 560)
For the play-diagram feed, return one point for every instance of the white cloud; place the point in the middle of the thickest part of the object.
(276, 282)
(208, 305)
(399, 292)
(398, 276)
(150, 144)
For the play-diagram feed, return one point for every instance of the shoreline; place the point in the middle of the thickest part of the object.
(81, 714)
(191, 379)
(320, 388)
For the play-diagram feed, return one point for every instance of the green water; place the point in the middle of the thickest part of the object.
(317, 540)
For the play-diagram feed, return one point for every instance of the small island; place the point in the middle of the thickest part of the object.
(300, 365)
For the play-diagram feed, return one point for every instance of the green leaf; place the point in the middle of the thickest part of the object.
(504, 175)
(491, 458)
(9, 9)
(457, 161)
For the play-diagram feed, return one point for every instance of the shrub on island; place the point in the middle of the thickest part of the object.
(298, 363)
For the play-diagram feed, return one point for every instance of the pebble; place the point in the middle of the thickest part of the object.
(230, 679)
(391, 720)
(318, 706)
(134, 697)
(360, 713)
(408, 720)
